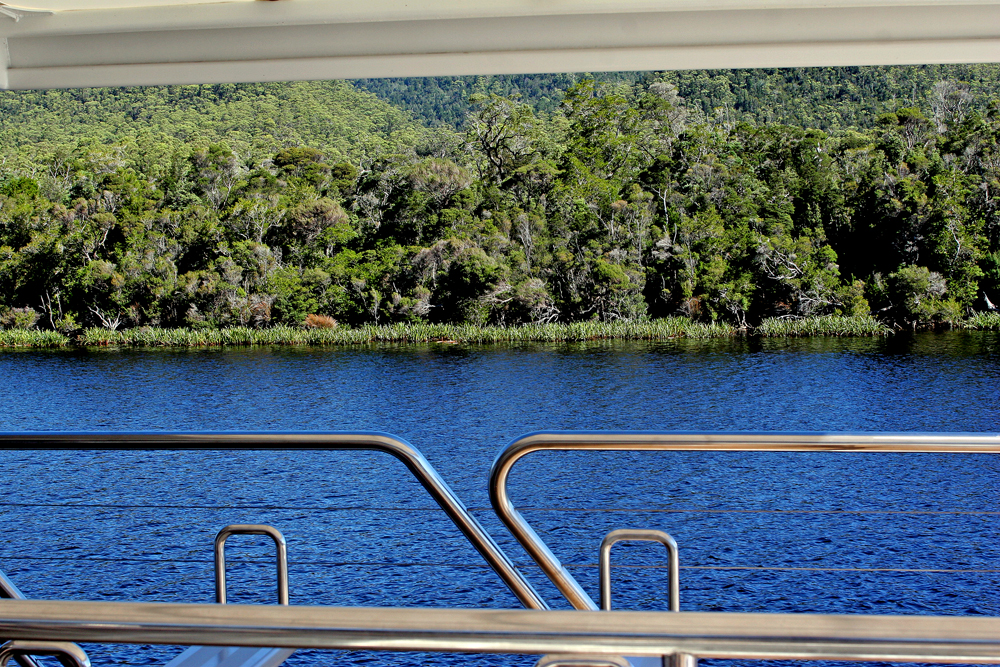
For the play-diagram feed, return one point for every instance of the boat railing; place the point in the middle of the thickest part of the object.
(718, 442)
(562, 638)
(281, 548)
(409, 455)
(69, 655)
(639, 535)
(240, 656)
(602, 636)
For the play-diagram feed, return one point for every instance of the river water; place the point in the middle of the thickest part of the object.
(826, 533)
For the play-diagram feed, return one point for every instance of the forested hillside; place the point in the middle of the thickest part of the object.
(627, 202)
(254, 120)
(825, 98)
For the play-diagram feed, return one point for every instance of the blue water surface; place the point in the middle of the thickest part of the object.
(825, 533)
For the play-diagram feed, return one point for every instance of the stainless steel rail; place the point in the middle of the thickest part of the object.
(571, 660)
(10, 591)
(420, 468)
(638, 441)
(613, 633)
(250, 529)
(68, 653)
(640, 535)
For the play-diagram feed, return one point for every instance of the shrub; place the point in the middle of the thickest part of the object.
(19, 318)
(918, 295)
(67, 324)
(852, 300)
(320, 322)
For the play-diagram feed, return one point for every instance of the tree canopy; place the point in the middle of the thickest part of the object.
(264, 205)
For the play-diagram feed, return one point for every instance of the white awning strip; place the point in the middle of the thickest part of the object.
(307, 39)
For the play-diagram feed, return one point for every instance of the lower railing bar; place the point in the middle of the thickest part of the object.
(613, 633)
(445, 564)
(579, 510)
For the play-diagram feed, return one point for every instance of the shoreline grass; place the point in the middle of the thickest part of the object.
(405, 333)
(468, 334)
(983, 321)
(32, 338)
(827, 325)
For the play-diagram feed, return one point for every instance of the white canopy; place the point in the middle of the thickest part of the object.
(72, 43)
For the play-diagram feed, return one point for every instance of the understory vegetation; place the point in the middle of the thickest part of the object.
(625, 211)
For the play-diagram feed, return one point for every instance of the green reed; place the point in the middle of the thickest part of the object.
(32, 338)
(986, 321)
(828, 325)
(406, 333)
(661, 329)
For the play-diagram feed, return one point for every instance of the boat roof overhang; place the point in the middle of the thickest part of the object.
(76, 43)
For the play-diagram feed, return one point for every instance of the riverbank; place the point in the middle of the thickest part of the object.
(662, 329)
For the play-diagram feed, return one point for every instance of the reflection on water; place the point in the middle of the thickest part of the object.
(824, 527)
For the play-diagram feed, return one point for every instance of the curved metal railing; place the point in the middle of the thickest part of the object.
(409, 455)
(644, 441)
(68, 653)
(21, 652)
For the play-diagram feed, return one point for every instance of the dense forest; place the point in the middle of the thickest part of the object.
(205, 206)
(825, 98)
(254, 120)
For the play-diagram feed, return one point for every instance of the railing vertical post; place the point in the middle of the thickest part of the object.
(680, 660)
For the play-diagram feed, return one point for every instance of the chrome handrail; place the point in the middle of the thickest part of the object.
(68, 653)
(573, 660)
(250, 529)
(644, 441)
(639, 535)
(403, 451)
(963, 639)
(10, 591)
